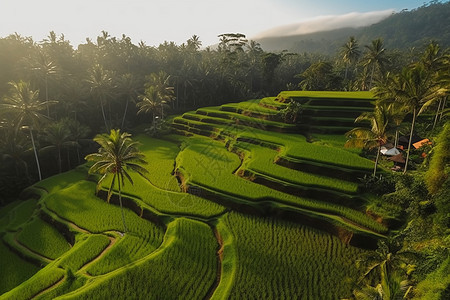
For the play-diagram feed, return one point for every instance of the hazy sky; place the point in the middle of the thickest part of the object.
(155, 21)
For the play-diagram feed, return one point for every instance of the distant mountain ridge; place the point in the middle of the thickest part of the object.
(402, 30)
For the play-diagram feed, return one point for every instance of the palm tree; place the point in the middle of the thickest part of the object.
(101, 85)
(118, 154)
(384, 91)
(373, 137)
(194, 43)
(392, 269)
(43, 68)
(23, 108)
(350, 53)
(413, 89)
(149, 103)
(437, 64)
(164, 92)
(58, 136)
(13, 147)
(78, 132)
(375, 57)
(128, 87)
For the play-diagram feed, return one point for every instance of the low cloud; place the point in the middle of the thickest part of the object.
(324, 23)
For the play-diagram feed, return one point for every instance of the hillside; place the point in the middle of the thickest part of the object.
(236, 205)
(403, 30)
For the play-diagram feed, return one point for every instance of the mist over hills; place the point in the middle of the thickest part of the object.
(402, 30)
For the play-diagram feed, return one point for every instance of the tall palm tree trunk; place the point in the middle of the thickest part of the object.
(410, 140)
(46, 96)
(437, 113)
(346, 71)
(376, 160)
(371, 77)
(396, 138)
(104, 116)
(121, 207)
(124, 114)
(35, 154)
(443, 108)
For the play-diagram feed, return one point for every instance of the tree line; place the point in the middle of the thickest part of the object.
(53, 96)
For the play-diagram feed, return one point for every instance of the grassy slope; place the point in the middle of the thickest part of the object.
(184, 262)
(184, 267)
(271, 258)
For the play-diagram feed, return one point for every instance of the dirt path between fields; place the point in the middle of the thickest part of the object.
(24, 250)
(56, 284)
(112, 241)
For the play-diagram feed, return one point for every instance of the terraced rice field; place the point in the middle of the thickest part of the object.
(237, 205)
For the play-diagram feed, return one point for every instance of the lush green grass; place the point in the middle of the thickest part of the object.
(295, 146)
(268, 258)
(4, 210)
(326, 94)
(250, 106)
(243, 119)
(79, 205)
(160, 155)
(14, 270)
(184, 267)
(163, 192)
(84, 251)
(209, 164)
(44, 239)
(272, 102)
(167, 201)
(56, 183)
(34, 285)
(262, 161)
(18, 215)
(127, 250)
(207, 119)
(262, 257)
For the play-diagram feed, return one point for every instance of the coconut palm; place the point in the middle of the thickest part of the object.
(384, 91)
(165, 93)
(375, 58)
(414, 88)
(437, 65)
(23, 108)
(42, 67)
(350, 53)
(194, 43)
(13, 148)
(373, 137)
(391, 268)
(78, 132)
(128, 87)
(117, 156)
(101, 86)
(58, 136)
(150, 103)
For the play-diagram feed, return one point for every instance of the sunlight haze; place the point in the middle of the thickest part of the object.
(173, 20)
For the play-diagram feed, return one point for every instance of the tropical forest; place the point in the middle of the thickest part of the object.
(186, 171)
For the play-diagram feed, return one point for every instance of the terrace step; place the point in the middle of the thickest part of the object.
(329, 122)
(321, 194)
(342, 102)
(333, 224)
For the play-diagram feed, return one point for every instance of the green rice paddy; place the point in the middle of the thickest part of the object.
(236, 204)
